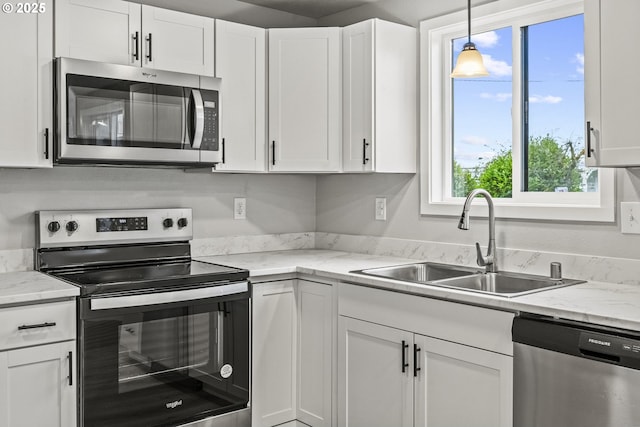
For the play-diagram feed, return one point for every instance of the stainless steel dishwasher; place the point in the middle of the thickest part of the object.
(573, 374)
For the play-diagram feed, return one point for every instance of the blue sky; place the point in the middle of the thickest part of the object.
(482, 106)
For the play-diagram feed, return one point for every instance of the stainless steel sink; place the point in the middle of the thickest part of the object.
(506, 283)
(503, 283)
(423, 272)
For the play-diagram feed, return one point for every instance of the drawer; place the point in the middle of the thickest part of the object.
(36, 324)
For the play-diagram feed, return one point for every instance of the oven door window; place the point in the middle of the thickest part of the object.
(163, 366)
(120, 113)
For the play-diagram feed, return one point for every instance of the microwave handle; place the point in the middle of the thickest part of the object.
(197, 118)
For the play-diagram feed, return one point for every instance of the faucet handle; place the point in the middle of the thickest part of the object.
(482, 261)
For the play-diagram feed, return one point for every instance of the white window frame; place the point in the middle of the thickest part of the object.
(435, 111)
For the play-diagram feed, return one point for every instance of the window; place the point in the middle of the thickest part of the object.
(518, 133)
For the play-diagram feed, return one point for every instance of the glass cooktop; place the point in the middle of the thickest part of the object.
(149, 276)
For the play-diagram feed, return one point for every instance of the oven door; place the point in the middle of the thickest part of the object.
(145, 361)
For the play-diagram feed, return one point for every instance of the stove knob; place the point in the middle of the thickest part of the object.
(53, 226)
(167, 223)
(182, 222)
(72, 226)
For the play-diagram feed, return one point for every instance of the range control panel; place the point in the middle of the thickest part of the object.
(121, 224)
(75, 228)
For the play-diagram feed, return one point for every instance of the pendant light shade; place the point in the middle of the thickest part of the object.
(469, 63)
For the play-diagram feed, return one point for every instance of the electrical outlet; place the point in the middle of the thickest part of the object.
(381, 208)
(630, 217)
(239, 208)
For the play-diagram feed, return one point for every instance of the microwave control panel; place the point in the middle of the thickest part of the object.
(210, 134)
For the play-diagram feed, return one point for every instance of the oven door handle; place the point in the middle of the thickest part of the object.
(107, 303)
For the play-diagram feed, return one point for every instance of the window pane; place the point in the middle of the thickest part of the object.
(553, 88)
(481, 119)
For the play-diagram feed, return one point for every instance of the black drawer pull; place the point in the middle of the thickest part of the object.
(39, 325)
(416, 350)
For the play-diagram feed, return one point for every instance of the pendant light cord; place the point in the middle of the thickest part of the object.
(469, 20)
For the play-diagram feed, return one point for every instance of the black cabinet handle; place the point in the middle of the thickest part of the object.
(273, 153)
(136, 53)
(46, 143)
(70, 357)
(405, 346)
(588, 135)
(149, 51)
(39, 325)
(416, 350)
(365, 144)
(223, 151)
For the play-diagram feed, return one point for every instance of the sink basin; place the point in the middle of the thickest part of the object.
(506, 284)
(423, 272)
(503, 283)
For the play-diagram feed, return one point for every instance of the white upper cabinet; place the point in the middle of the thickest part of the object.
(99, 30)
(26, 86)
(379, 97)
(241, 64)
(611, 83)
(121, 32)
(177, 41)
(305, 100)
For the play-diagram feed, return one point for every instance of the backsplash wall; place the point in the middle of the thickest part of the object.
(345, 205)
(275, 203)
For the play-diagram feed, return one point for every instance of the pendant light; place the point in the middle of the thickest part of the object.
(469, 63)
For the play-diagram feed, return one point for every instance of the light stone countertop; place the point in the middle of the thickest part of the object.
(609, 304)
(30, 287)
(616, 305)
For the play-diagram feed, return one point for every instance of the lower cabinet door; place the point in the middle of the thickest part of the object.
(315, 351)
(373, 390)
(38, 386)
(458, 385)
(274, 353)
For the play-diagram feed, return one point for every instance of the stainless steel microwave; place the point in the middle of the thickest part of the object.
(112, 114)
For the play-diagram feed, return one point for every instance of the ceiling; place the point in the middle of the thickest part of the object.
(311, 8)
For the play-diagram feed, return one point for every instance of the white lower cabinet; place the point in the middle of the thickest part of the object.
(408, 361)
(373, 390)
(38, 365)
(292, 353)
(38, 386)
(459, 385)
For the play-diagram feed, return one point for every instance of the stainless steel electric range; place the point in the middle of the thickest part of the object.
(163, 340)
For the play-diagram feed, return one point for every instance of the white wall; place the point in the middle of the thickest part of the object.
(345, 204)
(275, 203)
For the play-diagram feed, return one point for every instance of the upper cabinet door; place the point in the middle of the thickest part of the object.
(379, 97)
(611, 83)
(121, 32)
(241, 64)
(99, 30)
(357, 93)
(304, 100)
(177, 41)
(25, 83)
